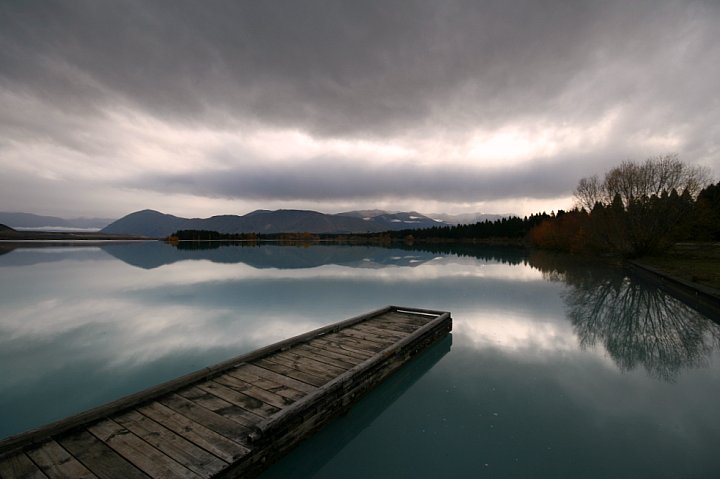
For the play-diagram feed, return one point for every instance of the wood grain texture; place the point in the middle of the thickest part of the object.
(347, 361)
(204, 437)
(140, 453)
(19, 466)
(222, 425)
(313, 365)
(393, 325)
(57, 463)
(99, 457)
(173, 445)
(253, 391)
(267, 384)
(369, 341)
(238, 398)
(386, 335)
(348, 346)
(289, 371)
(273, 376)
(406, 318)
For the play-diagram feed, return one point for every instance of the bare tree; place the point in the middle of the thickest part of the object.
(635, 181)
(588, 193)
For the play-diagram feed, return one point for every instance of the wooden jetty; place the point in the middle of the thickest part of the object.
(233, 419)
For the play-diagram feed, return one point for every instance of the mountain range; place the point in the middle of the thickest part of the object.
(156, 224)
(29, 221)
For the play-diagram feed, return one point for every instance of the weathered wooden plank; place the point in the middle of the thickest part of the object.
(370, 340)
(357, 343)
(348, 347)
(246, 402)
(253, 391)
(296, 364)
(19, 466)
(384, 323)
(273, 376)
(57, 463)
(333, 353)
(290, 372)
(238, 420)
(383, 327)
(390, 328)
(373, 337)
(267, 384)
(99, 457)
(178, 448)
(143, 455)
(310, 354)
(413, 319)
(312, 364)
(209, 440)
(385, 334)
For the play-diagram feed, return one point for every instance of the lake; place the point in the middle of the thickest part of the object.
(555, 367)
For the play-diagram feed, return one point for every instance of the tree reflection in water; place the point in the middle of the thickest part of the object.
(637, 323)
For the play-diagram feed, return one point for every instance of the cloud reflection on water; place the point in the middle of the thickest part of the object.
(79, 315)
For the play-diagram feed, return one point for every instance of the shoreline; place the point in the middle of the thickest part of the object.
(64, 236)
(698, 296)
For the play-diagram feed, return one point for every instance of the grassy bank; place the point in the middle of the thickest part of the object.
(695, 262)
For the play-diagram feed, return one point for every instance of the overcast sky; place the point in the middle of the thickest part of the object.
(203, 108)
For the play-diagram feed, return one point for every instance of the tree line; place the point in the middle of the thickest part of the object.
(512, 227)
(637, 209)
(208, 235)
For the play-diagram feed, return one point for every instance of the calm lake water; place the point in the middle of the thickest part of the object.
(554, 368)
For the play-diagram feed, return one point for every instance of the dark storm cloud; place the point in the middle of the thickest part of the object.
(358, 67)
(349, 179)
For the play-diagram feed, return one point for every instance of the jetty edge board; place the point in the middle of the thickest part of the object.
(235, 418)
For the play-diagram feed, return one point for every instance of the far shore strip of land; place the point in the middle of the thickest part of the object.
(7, 234)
